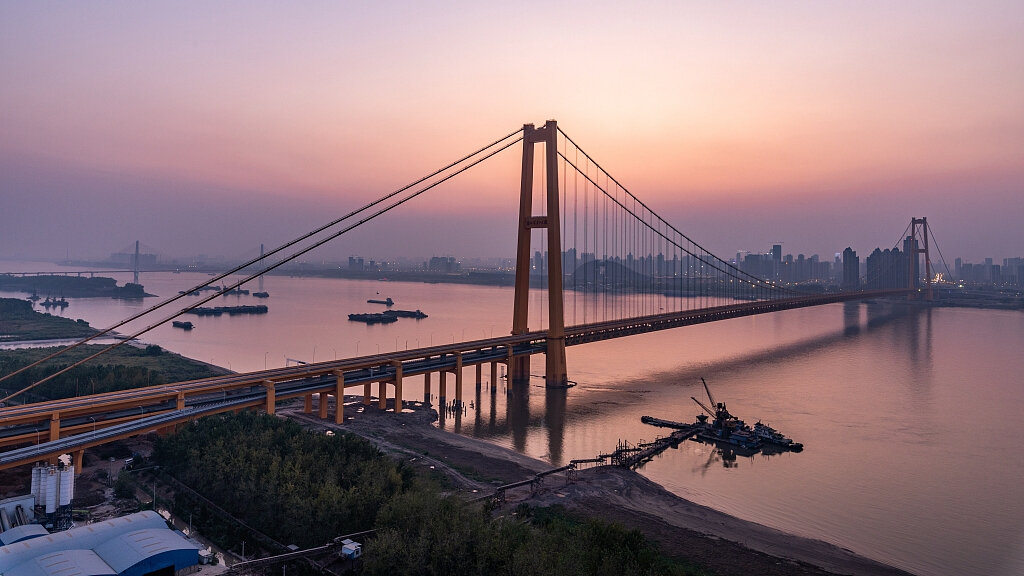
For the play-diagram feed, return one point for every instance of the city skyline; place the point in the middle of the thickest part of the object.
(814, 126)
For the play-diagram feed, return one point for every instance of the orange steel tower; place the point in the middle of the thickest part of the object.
(519, 368)
(912, 256)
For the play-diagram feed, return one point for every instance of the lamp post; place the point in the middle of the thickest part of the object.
(357, 347)
(93, 423)
(265, 359)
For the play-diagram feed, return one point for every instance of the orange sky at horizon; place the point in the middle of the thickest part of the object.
(740, 102)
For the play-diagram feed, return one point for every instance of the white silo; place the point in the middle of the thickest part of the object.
(67, 485)
(37, 488)
(51, 490)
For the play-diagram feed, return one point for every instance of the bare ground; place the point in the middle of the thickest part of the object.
(726, 544)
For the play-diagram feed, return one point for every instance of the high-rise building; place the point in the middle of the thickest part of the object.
(851, 270)
(886, 269)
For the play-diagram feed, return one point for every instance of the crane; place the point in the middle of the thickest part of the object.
(701, 404)
(710, 397)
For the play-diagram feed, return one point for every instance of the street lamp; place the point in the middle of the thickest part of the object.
(314, 354)
(265, 359)
(357, 347)
(93, 423)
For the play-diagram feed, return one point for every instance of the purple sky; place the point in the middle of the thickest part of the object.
(210, 128)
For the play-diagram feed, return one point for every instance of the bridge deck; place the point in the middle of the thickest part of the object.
(77, 423)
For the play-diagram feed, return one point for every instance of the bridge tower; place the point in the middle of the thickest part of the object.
(135, 264)
(519, 369)
(914, 249)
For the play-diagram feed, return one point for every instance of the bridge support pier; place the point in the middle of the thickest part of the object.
(398, 387)
(180, 403)
(442, 386)
(494, 375)
(271, 398)
(382, 394)
(458, 377)
(366, 394)
(426, 387)
(55, 426)
(339, 397)
(479, 375)
(78, 456)
(307, 404)
(322, 405)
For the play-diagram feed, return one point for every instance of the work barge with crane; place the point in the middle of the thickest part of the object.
(716, 426)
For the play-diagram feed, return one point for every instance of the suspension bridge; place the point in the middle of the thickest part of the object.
(610, 264)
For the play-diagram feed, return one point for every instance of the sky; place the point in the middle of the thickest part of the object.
(209, 128)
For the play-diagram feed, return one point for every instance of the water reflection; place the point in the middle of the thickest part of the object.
(851, 318)
(517, 412)
(554, 421)
(913, 330)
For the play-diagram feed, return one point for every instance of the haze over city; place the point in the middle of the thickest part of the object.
(214, 128)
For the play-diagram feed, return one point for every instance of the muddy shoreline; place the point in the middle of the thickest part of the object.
(726, 544)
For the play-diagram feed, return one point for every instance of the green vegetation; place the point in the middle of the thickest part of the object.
(18, 321)
(302, 488)
(297, 487)
(122, 368)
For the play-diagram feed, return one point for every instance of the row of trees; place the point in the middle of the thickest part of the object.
(302, 488)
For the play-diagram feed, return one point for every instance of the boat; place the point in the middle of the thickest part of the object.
(716, 425)
(261, 294)
(388, 302)
(54, 303)
(661, 422)
(406, 313)
(229, 310)
(772, 436)
(183, 325)
(374, 318)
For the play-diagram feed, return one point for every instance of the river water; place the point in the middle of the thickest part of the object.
(910, 417)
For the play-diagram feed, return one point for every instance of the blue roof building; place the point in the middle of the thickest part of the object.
(136, 545)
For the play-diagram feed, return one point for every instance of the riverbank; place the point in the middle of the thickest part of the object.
(727, 545)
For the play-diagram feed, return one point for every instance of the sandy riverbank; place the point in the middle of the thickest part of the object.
(725, 543)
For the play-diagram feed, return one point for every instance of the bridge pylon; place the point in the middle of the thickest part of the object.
(519, 368)
(913, 250)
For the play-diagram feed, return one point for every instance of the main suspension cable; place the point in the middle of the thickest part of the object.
(267, 269)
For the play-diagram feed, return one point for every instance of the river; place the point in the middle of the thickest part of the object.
(910, 417)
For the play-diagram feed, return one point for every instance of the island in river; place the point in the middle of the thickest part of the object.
(60, 286)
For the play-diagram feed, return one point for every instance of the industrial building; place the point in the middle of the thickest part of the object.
(140, 544)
